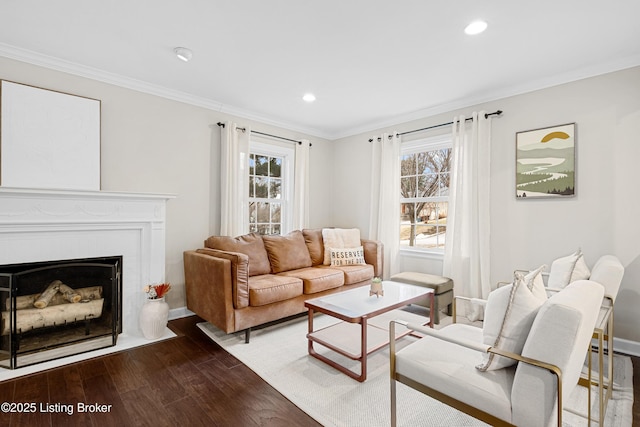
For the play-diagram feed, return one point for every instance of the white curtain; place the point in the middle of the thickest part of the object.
(234, 180)
(467, 257)
(384, 221)
(301, 186)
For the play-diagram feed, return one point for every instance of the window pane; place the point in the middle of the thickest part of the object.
(275, 188)
(408, 165)
(252, 164)
(262, 189)
(275, 229)
(428, 185)
(407, 223)
(263, 212)
(275, 212)
(264, 229)
(408, 187)
(427, 237)
(251, 187)
(441, 236)
(253, 214)
(262, 165)
(444, 184)
(275, 167)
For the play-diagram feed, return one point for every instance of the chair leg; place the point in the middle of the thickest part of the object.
(436, 312)
(393, 403)
(392, 370)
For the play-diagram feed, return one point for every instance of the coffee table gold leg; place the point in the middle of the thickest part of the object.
(363, 350)
(310, 329)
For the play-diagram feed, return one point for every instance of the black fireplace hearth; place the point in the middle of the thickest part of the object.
(58, 308)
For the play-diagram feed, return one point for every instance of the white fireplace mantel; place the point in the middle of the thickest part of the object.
(47, 225)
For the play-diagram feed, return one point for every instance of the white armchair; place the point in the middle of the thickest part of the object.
(530, 393)
(608, 271)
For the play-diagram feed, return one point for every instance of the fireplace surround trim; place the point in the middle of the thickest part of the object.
(40, 225)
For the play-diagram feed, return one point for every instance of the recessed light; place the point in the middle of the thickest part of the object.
(183, 53)
(476, 27)
(309, 97)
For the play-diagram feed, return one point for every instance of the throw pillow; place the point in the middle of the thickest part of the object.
(535, 282)
(248, 244)
(313, 239)
(348, 256)
(568, 269)
(339, 238)
(287, 252)
(508, 317)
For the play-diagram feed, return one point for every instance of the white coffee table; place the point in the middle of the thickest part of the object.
(356, 307)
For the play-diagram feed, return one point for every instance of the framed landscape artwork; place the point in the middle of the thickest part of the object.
(545, 162)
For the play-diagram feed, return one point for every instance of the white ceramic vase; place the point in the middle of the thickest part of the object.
(153, 318)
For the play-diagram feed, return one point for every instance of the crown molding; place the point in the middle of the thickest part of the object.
(249, 115)
(556, 80)
(58, 64)
(62, 65)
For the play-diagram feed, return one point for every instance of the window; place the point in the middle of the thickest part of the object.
(269, 188)
(424, 192)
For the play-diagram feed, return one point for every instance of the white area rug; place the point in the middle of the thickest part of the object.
(279, 355)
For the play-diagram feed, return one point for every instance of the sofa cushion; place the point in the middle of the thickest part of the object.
(568, 269)
(313, 239)
(339, 238)
(535, 282)
(354, 273)
(315, 279)
(448, 367)
(508, 317)
(248, 244)
(287, 252)
(268, 288)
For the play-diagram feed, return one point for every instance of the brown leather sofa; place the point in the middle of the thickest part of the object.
(238, 283)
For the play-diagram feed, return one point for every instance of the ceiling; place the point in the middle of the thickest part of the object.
(370, 63)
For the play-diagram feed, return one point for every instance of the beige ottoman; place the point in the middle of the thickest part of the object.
(442, 288)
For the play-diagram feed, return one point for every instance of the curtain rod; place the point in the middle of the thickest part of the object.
(266, 134)
(486, 116)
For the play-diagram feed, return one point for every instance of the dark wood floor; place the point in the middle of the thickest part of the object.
(186, 381)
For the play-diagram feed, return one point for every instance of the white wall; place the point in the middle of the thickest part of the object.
(151, 144)
(602, 218)
(155, 145)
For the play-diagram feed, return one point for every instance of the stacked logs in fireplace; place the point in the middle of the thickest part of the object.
(58, 304)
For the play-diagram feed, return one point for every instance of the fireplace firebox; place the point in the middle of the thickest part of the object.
(59, 308)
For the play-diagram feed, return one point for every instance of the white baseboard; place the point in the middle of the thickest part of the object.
(632, 348)
(180, 312)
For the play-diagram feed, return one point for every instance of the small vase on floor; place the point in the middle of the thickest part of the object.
(153, 318)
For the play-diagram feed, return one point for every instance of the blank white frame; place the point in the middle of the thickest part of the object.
(48, 139)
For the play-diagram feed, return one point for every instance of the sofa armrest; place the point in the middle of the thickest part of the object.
(374, 255)
(239, 274)
(208, 288)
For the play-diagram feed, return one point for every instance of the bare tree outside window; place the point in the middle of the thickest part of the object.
(424, 192)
